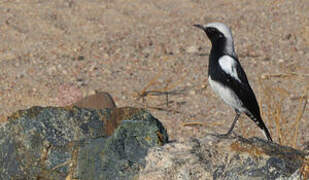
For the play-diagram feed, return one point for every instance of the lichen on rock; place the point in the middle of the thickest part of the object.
(56, 142)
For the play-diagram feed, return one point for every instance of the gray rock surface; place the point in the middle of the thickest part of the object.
(225, 158)
(124, 143)
(71, 143)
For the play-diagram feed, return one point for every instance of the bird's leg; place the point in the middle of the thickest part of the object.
(231, 128)
(233, 124)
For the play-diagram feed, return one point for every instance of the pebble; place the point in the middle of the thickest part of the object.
(192, 92)
(281, 61)
(51, 70)
(192, 49)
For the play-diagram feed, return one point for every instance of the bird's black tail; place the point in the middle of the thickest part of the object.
(258, 121)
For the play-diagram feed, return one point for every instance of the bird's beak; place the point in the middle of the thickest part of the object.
(199, 26)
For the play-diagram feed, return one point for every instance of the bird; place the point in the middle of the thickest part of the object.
(227, 78)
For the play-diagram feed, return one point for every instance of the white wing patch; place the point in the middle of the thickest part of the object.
(228, 65)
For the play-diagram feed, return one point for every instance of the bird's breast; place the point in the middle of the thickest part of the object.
(228, 95)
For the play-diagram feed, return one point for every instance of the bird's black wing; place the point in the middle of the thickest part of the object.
(242, 88)
(230, 74)
(244, 92)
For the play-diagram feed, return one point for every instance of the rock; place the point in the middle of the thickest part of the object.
(125, 143)
(229, 158)
(116, 117)
(128, 144)
(70, 143)
(99, 100)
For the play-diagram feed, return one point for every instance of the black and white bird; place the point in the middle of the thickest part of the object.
(227, 78)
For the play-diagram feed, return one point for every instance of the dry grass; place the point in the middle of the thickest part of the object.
(197, 123)
(3, 119)
(165, 88)
(143, 93)
(304, 170)
(301, 109)
(275, 99)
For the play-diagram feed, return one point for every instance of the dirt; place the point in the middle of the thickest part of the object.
(52, 53)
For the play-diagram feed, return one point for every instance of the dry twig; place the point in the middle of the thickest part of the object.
(301, 110)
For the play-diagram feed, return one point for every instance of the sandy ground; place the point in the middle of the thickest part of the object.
(54, 52)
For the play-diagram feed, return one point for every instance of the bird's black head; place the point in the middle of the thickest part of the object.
(220, 36)
(213, 33)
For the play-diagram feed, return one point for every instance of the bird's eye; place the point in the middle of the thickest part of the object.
(213, 30)
(210, 30)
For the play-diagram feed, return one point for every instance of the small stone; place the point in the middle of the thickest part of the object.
(192, 49)
(51, 70)
(105, 56)
(203, 86)
(263, 76)
(281, 61)
(192, 92)
(80, 58)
